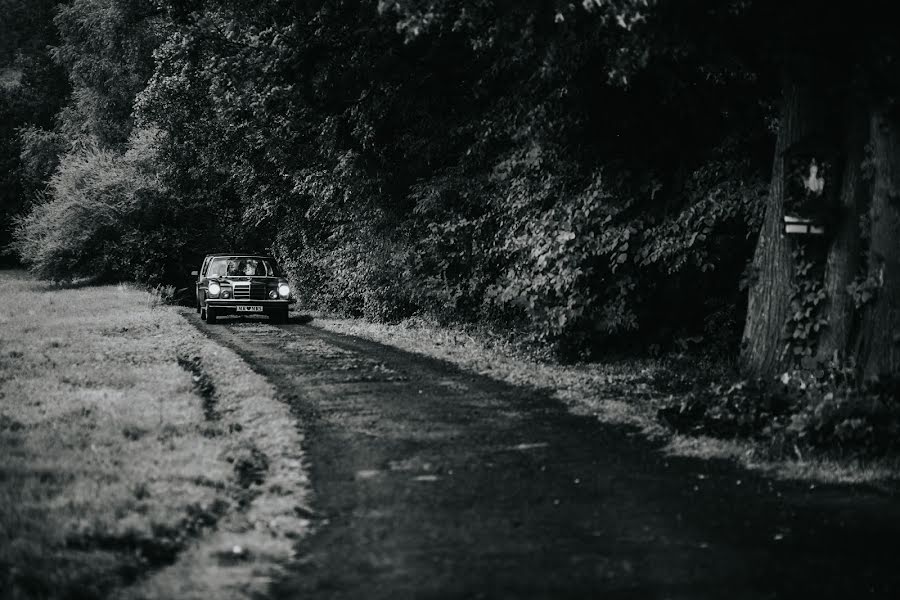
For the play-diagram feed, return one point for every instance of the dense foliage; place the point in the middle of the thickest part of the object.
(524, 165)
(32, 90)
(799, 413)
(470, 166)
(592, 175)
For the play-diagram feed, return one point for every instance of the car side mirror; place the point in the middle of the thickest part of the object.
(194, 273)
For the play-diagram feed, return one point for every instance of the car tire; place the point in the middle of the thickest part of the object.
(210, 315)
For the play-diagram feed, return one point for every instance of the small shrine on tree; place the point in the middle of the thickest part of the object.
(811, 179)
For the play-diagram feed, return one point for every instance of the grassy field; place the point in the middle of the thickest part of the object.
(137, 459)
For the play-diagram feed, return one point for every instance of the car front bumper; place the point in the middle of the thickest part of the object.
(231, 305)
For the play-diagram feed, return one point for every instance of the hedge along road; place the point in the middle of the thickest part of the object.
(431, 482)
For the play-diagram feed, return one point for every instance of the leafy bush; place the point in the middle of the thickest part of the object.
(593, 266)
(741, 409)
(849, 416)
(95, 199)
(39, 156)
(355, 273)
(836, 414)
(571, 268)
(107, 216)
(566, 268)
(578, 262)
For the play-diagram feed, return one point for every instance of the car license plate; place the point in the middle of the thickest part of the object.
(249, 308)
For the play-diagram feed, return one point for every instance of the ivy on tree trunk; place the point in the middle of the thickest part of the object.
(762, 348)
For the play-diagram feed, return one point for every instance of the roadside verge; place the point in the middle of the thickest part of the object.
(622, 392)
(139, 458)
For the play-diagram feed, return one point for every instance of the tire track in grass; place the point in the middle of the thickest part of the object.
(203, 384)
(255, 539)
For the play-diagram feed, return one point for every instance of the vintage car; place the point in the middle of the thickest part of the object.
(242, 284)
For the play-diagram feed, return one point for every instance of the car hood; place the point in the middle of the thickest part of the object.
(245, 279)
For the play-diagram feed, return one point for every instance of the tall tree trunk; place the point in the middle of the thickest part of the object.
(878, 349)
(842, 263)
(767, 307)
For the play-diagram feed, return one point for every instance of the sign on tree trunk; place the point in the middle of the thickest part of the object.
(810, 181)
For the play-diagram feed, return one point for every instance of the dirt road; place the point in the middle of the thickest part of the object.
(434, 483)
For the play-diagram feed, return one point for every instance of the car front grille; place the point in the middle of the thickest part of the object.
(249, 291)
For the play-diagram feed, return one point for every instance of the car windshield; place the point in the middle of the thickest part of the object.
(241, 266)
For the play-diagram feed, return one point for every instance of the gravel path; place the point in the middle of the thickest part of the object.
(429, 482)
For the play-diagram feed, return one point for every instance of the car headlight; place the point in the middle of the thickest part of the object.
(273, 295)
(214, 288)
(284, 290)
(226, 294)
